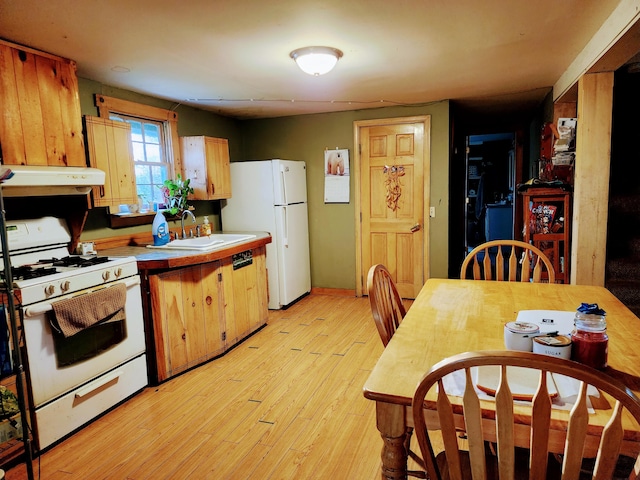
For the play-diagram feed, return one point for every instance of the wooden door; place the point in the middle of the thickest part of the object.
(392, 196)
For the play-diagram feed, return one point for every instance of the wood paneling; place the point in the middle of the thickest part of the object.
(110, 149)
(206, 163)
(42, 123)
(591, 195)
(199, 312)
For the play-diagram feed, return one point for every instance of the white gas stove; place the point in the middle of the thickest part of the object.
(74, 378)
(42, 268)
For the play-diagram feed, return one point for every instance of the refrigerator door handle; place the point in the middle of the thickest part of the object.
(285, 228)
(283, 171)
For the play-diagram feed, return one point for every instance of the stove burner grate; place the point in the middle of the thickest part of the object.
(28, 272)
(74, 261)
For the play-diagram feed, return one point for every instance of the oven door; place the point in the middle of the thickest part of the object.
(55, 370)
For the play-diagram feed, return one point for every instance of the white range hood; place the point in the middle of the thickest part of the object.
(35, 180)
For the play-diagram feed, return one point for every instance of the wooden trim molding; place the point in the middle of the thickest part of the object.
(336, 292)
(40, 53)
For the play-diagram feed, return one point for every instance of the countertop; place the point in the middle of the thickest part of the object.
(155, 259)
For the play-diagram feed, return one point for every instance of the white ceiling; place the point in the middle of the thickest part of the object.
(232, 57)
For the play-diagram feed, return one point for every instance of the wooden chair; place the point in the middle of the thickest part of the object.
(522, 256)
(386, 305)
(388, 311)
(510, 462)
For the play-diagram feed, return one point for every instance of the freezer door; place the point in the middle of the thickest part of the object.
(251, 206)
(292, 239)
(289, 182)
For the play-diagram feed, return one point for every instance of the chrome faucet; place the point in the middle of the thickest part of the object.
(193, 217)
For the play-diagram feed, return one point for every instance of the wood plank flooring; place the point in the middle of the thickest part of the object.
(286, 403)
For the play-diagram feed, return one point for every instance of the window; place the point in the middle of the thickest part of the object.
(152, 166)
(154, 136)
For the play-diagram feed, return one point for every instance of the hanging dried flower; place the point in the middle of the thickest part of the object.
(393, 185)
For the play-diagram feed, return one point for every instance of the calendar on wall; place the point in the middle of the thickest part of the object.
(336, 176)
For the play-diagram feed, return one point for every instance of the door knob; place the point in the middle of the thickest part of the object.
(415, 228)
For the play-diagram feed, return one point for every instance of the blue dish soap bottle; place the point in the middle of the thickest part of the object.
(160, 230)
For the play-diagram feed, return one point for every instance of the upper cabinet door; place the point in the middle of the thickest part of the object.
(42, 122)
(110, 150)
(205, 162)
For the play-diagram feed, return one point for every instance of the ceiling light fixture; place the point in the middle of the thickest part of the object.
(316, 60)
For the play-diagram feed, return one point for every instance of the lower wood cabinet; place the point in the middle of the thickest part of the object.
(200, 311)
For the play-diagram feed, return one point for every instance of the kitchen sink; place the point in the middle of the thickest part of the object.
(209, 242)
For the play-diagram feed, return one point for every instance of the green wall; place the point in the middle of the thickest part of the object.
(302, 137)
(332, 226)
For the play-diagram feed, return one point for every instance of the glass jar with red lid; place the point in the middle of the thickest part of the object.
(590, 342)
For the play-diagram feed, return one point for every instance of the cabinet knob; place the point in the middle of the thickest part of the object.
(209, 300)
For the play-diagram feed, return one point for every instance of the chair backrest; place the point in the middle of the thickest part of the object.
(386, 304)
(504, 431)
(488, 262)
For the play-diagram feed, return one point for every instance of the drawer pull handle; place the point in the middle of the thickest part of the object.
(93, 386)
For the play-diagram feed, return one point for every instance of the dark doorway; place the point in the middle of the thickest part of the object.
(622, 273)
(489, 188)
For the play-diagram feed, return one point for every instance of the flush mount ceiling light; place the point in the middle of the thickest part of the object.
(316, 60)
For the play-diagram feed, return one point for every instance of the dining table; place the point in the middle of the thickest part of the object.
(453, 316)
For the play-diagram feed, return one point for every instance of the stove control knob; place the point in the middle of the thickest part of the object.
(118, 272)
(49, 290)
(64, 286)
(106, 275)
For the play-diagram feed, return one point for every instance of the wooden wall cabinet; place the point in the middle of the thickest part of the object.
(42, 122)
(203, 310)
(109, 149)
(205, 161)
(547, 225)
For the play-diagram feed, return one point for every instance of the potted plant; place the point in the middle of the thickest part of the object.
(176, 193)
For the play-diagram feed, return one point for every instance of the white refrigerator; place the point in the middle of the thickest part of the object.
(271, 195)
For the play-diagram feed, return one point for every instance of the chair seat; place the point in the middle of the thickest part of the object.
(554, 469)
(554, 465)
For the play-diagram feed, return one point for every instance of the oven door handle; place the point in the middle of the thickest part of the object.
(40, 308)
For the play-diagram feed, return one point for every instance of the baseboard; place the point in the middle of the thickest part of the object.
(336, 292)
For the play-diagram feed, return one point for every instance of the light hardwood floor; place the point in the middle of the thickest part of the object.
(286, 403)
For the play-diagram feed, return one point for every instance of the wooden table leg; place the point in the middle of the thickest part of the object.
(390, 420)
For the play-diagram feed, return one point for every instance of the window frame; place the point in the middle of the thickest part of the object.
(163, 161)
(107, 105)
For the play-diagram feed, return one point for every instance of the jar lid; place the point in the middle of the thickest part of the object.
(590, 323)
(553, 340)
(522, 327)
